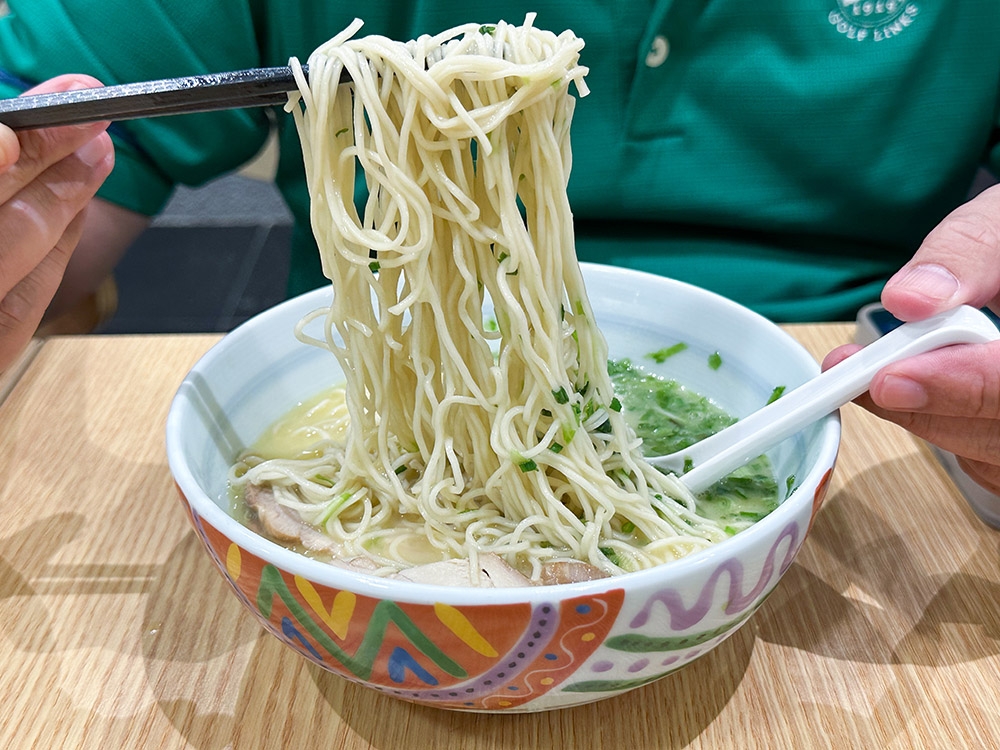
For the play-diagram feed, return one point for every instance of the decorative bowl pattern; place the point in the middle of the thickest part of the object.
(523, 649)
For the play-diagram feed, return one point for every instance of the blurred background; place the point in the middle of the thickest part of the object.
(217, 255)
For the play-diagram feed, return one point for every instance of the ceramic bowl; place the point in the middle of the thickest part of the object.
(515, 649)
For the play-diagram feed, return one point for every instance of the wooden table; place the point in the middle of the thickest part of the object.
(116, 631)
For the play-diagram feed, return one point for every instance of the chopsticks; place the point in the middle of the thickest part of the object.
(256, 87)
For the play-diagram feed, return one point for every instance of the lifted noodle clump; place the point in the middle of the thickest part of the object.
(480, 413)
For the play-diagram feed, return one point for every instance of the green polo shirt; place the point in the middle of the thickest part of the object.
(789, 155)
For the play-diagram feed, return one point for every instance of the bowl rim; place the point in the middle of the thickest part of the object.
(204, 507)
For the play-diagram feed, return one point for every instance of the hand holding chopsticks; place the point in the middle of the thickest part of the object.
(257, 87)
(47, 179)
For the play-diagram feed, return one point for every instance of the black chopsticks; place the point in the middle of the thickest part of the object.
(256, 87)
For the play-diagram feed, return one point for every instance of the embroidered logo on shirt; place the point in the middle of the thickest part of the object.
(872, 20)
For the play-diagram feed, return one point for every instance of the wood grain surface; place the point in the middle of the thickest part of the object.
(117, 632)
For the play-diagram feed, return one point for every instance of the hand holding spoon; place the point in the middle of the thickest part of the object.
(718, 455)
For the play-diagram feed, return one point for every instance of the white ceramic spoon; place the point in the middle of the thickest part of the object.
(718, 455)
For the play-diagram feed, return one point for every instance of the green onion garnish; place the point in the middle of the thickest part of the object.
(609, 553)
(666, 353)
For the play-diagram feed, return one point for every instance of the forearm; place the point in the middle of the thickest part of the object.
(108, 231)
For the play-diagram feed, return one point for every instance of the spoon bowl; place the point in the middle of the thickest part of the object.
(714, 457)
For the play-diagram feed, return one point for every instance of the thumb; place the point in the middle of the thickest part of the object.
(957, 263)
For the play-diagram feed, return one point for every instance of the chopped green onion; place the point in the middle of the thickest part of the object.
(374, 266)
(789, 485)
(610, 553)
(777, 393)
(556, 448)
(628, 527)
(616, 405)
(527, 465)
(604, 428)
(715, 360)
(561, 396)
(340, 132)
(334, 508)
(662, 355)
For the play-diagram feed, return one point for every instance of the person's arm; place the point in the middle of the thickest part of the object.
(136, 41)
(950, 397)
(47, 179)
(108, 231)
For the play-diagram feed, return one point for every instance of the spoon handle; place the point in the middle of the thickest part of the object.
(718, 455)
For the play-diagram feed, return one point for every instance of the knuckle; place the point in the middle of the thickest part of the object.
(35, 233)
(983, 389)
(971, 230)
(30, 221)
(20, 308)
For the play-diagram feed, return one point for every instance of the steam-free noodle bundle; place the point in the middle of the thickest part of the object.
(478, 414)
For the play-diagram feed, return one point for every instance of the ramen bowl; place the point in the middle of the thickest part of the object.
(504, 649)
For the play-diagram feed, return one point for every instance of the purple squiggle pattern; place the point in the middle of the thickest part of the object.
(682, 618)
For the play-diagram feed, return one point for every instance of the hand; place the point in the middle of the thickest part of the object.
(949, 397)
(47, 178)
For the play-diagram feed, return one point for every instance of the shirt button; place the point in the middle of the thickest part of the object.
(658, 52)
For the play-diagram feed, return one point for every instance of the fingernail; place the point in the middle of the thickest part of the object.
(93, 152)
(930, 280)
(900, 393)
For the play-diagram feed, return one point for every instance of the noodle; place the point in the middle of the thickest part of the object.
(460, 439)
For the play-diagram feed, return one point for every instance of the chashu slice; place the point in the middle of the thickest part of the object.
(284, 525)
(493, 573)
